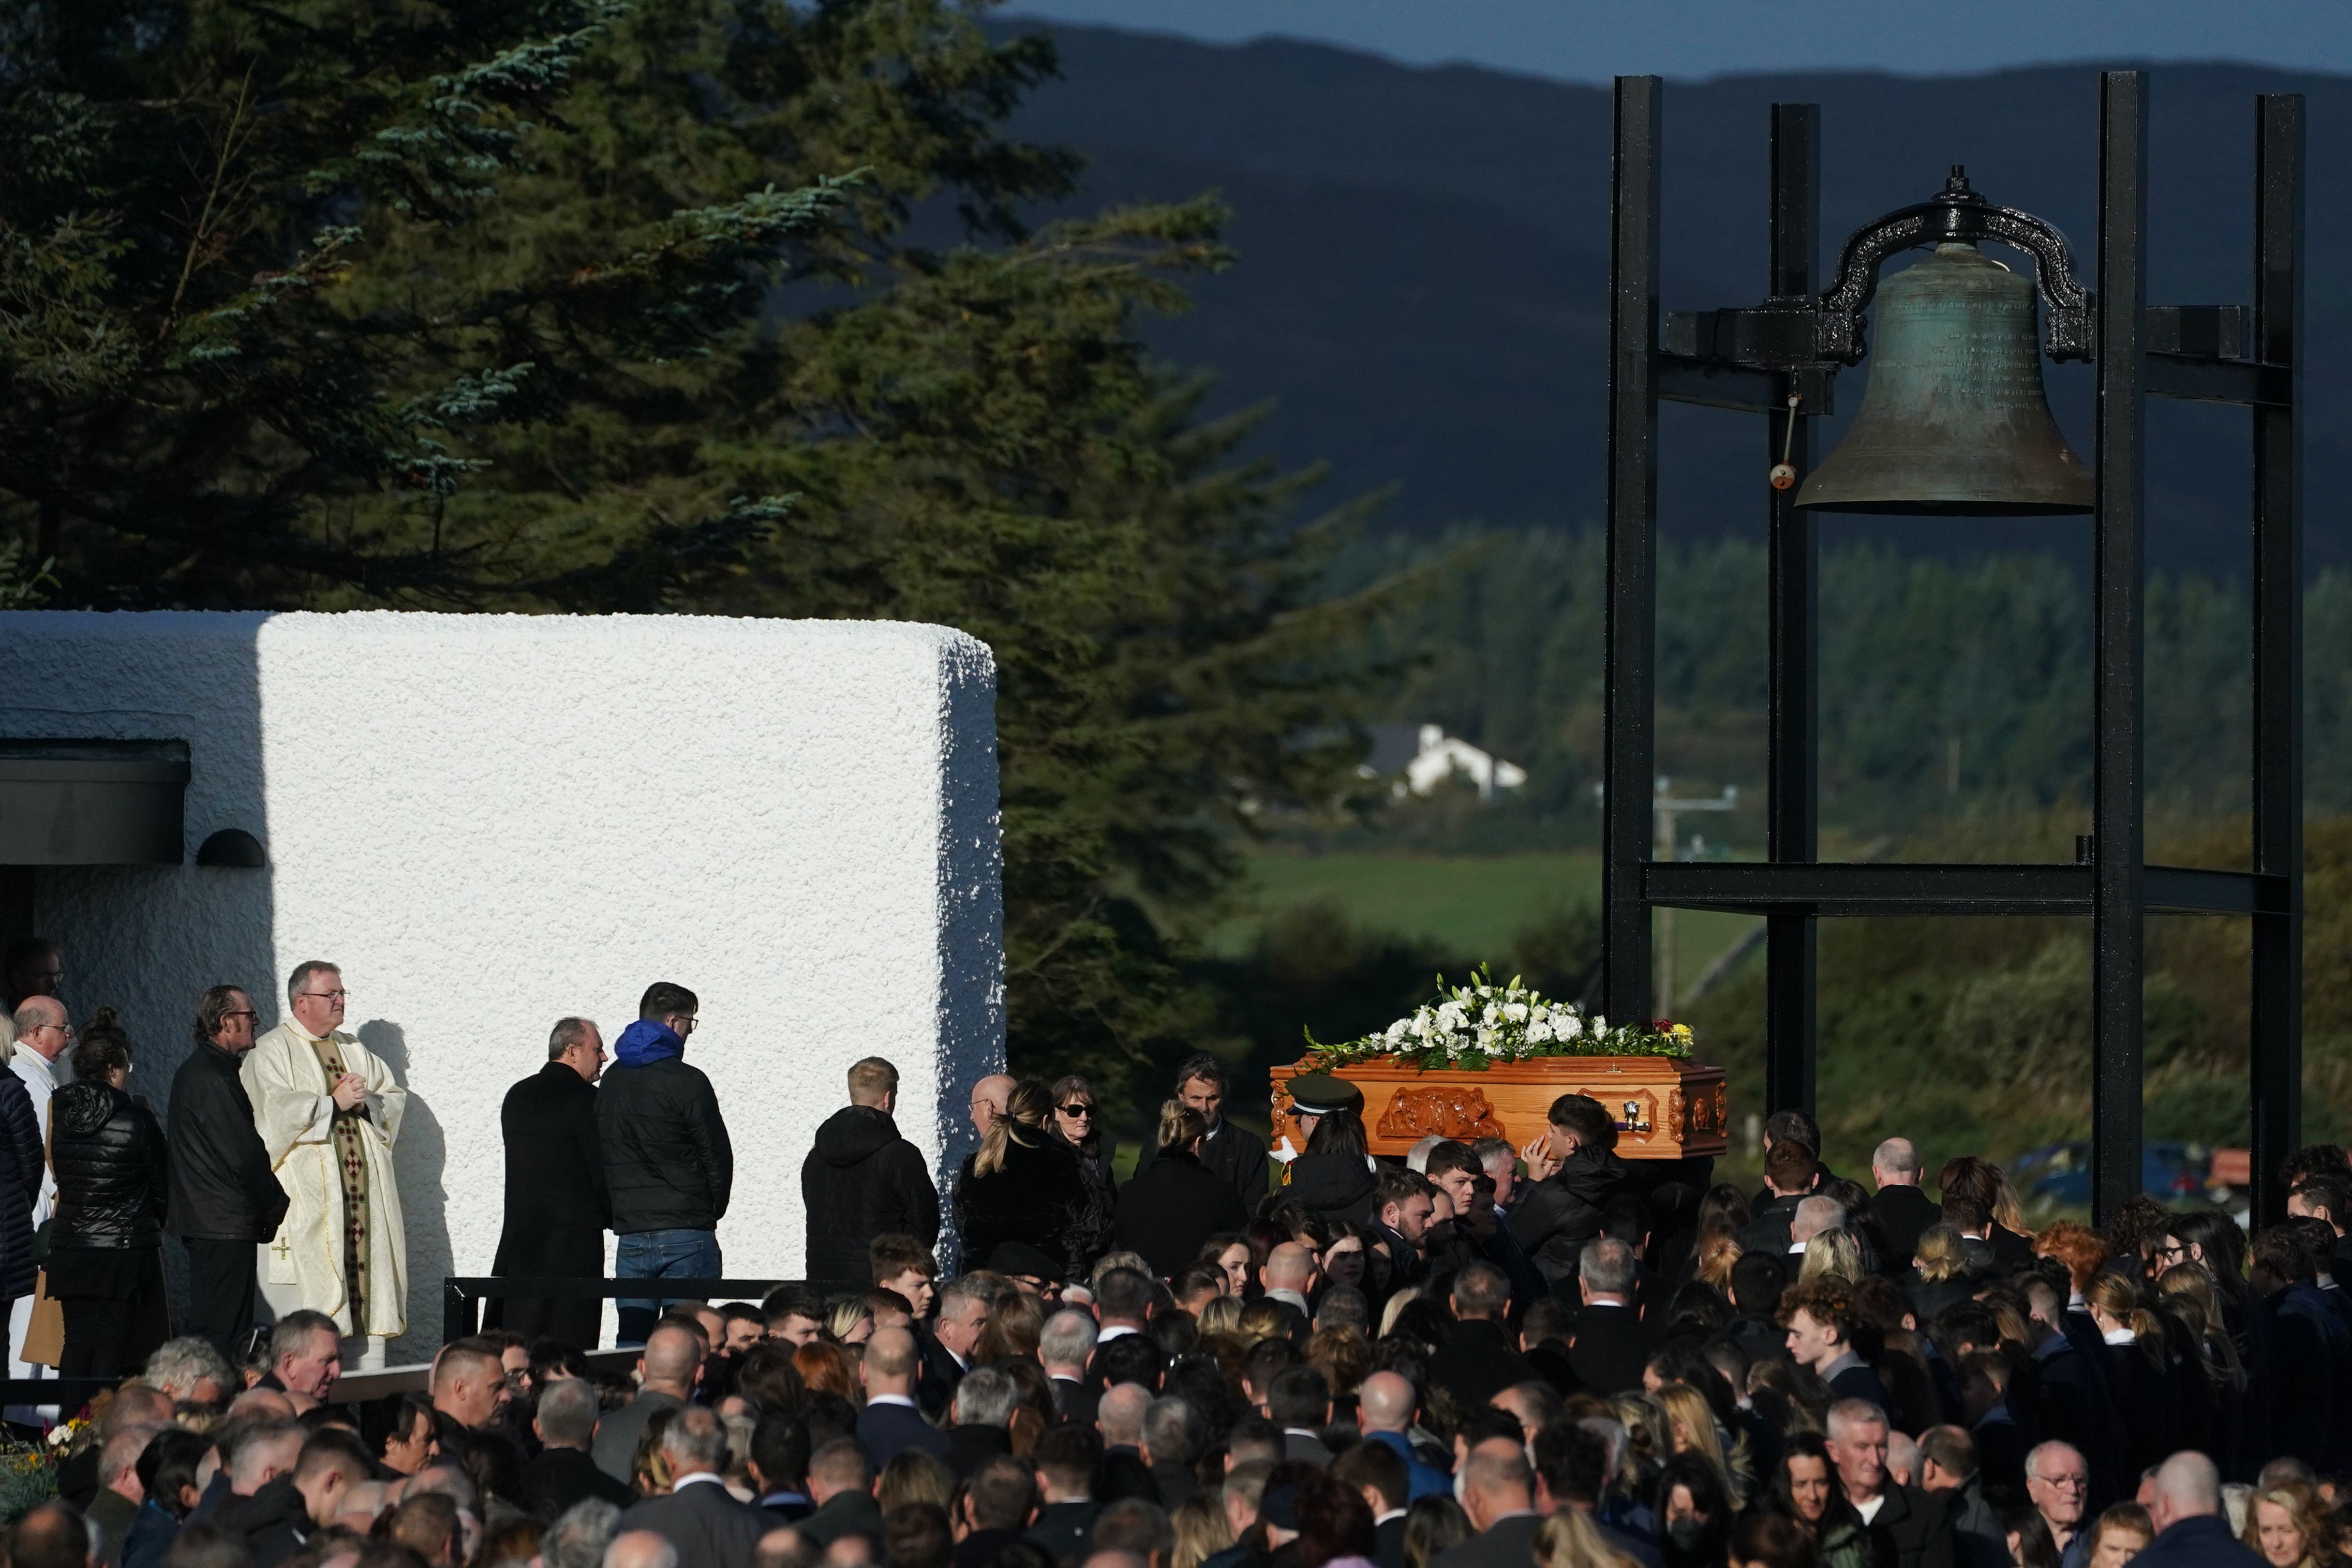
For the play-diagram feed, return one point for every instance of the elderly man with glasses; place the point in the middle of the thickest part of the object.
(226, 1200)
(2058, 1483)
(328, 1110)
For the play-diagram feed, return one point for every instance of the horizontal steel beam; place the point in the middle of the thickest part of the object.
(1834, 889)
(2193, 378)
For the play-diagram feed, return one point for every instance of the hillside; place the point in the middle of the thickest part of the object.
(1423, 257)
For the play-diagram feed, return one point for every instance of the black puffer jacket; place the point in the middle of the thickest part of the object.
(1038, 1196)
(1335, 1186)
(862, 1180)
(114, 1170)
(1558, 1216)
(668, 1165)
(20, 1183)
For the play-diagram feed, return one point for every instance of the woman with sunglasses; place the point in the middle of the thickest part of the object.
(1077, 1120)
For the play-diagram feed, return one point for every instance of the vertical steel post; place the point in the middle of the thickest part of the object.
(1629, 641)
(2117, 949)
(2277, 979)
(1791, 806)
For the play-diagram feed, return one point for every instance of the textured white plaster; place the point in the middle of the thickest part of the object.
(491, 821)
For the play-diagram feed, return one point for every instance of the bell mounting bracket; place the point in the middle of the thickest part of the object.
(1954, 215)
(1807, 337)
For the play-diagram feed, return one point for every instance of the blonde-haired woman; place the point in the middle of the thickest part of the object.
(1691, 1429)
(1570, 1538)
(2289, 1527)
(1172, 1206)
(2138, 1366)
(1940, 1274)
(1024, 1186)
(1834, 1254)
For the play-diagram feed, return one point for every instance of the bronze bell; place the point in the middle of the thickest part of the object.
(1954, 422)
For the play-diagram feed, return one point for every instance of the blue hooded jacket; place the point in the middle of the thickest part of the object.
(646, 1041)
(668, 1164)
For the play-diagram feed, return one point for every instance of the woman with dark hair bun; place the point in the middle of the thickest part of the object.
(106, 1248)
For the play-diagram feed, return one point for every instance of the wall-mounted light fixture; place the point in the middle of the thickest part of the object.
(232, 847)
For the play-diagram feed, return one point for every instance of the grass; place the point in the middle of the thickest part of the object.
(1476, 905)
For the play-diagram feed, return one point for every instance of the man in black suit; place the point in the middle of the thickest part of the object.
(1790, 1172)
(841, 1484)
(1820, 1318)
(1793, 1126)
(563, 1473)
(1172, 1439)
(707, 1528)
(1499, 1494)
(984, 1411)
(889, 1425)
(1908, 1528)
(947, 1349)
(1757, 1279)
(1234, 1153)
(779, 1465)
(1067, 1347)
(556, 1211)
(1904, 1211)
(1605, 1346)
(1476, 1361)
(998, 1499)
(1377, 1472)
(1065, 1458)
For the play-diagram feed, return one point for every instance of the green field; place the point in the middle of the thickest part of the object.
(1474, 905)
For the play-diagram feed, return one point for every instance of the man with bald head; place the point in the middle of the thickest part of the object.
(1384, 1410)
(2185, 1507)
(668, 1369)
(1119, 1416)
(1289, 1276)
(988, 1099)
(37, 1061)
(640, 1549)
(890, 1424)
(1498, 1493)
(1903, 1210)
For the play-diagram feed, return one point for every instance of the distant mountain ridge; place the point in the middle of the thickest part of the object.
(1424, 258)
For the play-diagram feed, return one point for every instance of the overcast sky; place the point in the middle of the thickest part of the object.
(1591, 40)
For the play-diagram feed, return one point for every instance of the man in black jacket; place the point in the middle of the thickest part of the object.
(1903, 1210)
(668, 1165)
(1606, 1345)
(1790, 1173)
(1234, 1153)
(225, 1198)
(1576, 1176)
(1908, 1528)
(1477, 1360)
(861, 1180)
(556, 1210)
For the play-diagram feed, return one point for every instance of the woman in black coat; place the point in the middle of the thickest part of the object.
(1175, 1205)
(20, 1184)
(2137, 1362)
(106, 1250)
(1077, 1120)
(1335, 1176)
(1025, 1185)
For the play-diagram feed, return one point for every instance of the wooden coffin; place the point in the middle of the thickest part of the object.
(1667, 1107)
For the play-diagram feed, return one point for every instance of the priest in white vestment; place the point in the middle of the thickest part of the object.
(328, 1111)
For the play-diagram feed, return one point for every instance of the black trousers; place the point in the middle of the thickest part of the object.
(220, 1293)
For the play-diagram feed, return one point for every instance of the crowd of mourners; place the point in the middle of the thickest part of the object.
(1483, 1357)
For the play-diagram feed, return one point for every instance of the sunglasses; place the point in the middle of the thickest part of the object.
(1077, 1110)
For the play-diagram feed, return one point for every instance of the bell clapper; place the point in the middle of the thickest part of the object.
(1784, 475)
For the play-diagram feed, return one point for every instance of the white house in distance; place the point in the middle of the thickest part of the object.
(1423, 756)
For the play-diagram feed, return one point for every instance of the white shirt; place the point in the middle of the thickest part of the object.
(1869, 1511)
(1383, 1518)
(2120, 1336)
(1290, 1297)
(890, 1399)
(1115, 1330)
(682, 1482)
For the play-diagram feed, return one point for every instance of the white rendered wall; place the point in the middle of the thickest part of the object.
(491, 821)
